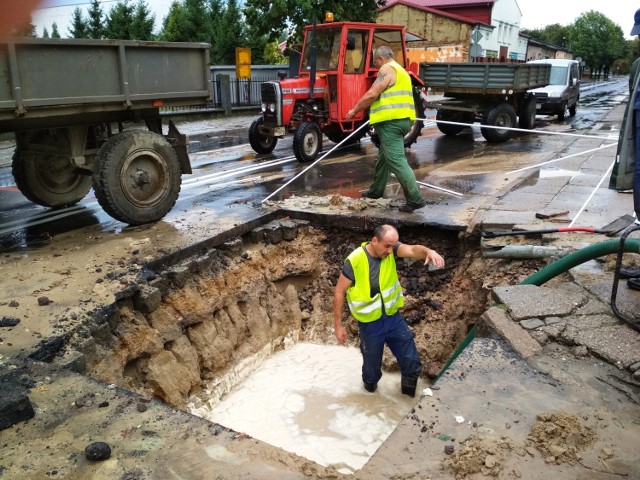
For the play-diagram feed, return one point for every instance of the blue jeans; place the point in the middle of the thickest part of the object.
(392, 330)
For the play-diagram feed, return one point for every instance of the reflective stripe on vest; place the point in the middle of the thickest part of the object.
(363, 307)
(395, 102)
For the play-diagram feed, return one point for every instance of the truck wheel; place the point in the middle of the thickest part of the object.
(137, 177)
(502, 115)
(573, 109)
(527, 119)
(307, 142)
(564, 112)
(260, 142)
(449, 116)
(47, 176)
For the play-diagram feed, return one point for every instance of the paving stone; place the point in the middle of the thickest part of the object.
(552, 320)
(517, 337)
(618, 344)
(531, 324)
(528, 301)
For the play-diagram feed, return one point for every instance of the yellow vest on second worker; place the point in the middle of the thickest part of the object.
(364, 308)
(395, 102)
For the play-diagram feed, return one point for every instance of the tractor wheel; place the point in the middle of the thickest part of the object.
(43, 170)
(501, 115)
(260, 142)
(307, 141)
(137, 177)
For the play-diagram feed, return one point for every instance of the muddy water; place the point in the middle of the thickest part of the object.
(309, 400)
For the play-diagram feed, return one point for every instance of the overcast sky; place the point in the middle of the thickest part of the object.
(535, 13)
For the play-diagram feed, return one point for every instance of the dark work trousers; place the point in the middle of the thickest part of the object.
(393, 330)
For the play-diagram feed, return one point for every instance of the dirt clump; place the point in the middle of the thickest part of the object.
(479, 454)
(560, 436)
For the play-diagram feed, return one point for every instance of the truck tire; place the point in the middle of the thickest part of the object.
(449, 116)
(137, 177)
(527, 119)
(501, 115)
(260, 142)
(307, 141)
(47, 176)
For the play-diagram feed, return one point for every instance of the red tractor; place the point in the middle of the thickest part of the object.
(336, 69)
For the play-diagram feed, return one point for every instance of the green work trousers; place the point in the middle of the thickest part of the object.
(391, 159)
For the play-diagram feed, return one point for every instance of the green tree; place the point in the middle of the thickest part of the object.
(174, 23)
(95, 23)
(289, 17)
(54, 30)
(45, 33)
(554, 34)
(119, 21)
(143, 22)
(187, 21)
(597, 40)
(79, 27)
(229, 35)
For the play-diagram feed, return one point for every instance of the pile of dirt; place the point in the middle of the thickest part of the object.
(479, 454)
(560, 436)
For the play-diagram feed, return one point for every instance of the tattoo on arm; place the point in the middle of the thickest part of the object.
(380, 78)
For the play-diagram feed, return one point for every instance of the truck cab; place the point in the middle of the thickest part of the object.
(562, 95)
(336, 69)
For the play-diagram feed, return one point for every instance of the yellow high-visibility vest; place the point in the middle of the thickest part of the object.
(395, 102)
(364, 308)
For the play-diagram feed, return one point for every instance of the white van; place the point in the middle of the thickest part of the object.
(562, 94)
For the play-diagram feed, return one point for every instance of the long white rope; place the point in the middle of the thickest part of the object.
(318, 160)
(584, 205)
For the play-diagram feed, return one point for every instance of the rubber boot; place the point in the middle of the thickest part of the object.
(408, 386)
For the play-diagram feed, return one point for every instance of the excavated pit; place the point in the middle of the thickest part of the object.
(196, 330)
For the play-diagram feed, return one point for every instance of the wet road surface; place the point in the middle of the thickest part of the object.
(228, 173)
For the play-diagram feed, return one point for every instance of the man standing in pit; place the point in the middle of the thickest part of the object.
(392, 113)
(374, 295)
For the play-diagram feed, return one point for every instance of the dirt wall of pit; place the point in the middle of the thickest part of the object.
(201, 326)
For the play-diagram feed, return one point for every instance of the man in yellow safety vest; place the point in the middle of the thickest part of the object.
(392, 113)
(370, 282)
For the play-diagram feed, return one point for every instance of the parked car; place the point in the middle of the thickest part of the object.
(562, 95)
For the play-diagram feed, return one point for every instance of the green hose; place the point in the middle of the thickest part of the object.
(550, 271)
(579, 257)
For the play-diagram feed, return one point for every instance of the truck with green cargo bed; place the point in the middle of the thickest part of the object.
(494, 94)
(86, 113)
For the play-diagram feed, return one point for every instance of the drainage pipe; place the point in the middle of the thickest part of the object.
(581, 256)
(555, 269)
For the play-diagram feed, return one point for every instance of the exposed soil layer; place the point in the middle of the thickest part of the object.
(202, 320)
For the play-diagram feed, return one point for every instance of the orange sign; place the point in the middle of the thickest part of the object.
(243, 62)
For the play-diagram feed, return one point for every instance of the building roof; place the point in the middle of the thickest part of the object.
(435, 11)
(443, 3)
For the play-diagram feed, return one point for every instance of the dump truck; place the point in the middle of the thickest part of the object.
(494, 94)
(86, 113)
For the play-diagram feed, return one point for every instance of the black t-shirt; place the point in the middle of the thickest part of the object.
(374, 270)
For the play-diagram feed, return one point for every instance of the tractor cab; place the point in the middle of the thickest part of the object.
(336, 69)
